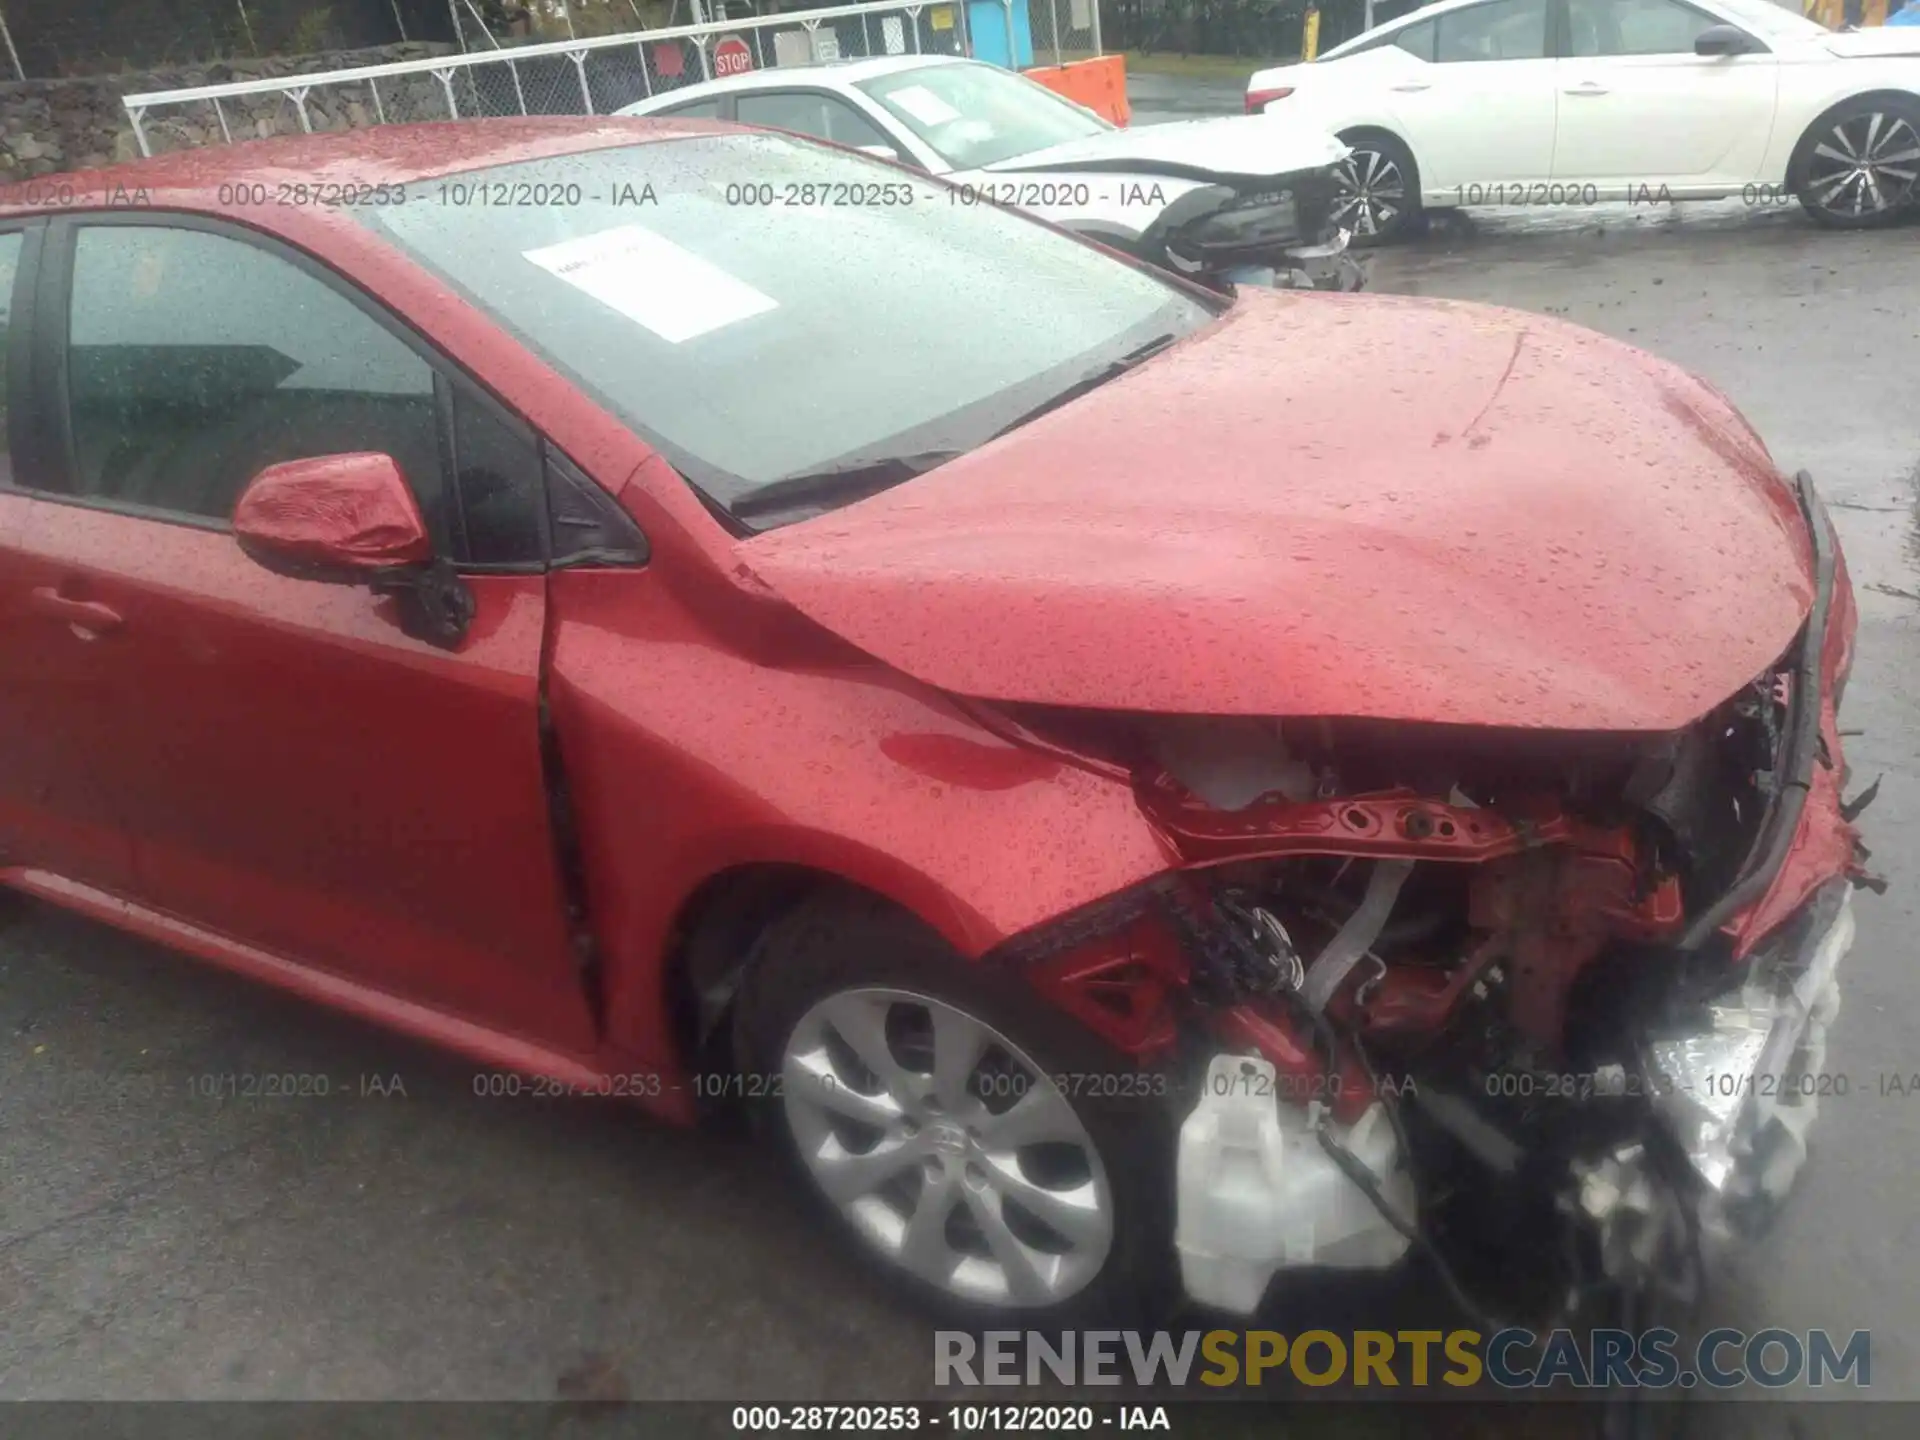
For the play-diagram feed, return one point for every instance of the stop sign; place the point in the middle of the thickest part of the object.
(731, 57)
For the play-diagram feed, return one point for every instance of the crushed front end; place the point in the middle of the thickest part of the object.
(1550, 1009)
(1276, 231)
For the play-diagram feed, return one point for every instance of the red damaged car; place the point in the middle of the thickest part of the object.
(1128, 786)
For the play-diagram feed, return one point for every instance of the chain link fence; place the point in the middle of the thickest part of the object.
(67, 39)
(592, 75)
(489, 25)
(1064, 30)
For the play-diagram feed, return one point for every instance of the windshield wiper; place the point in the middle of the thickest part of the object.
(858, 478)
(851, 480)
(1111, 370)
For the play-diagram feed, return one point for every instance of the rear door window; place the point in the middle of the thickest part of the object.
(1417, 40)
(1500, 30)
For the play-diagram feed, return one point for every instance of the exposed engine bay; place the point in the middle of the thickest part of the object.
(1482, 995)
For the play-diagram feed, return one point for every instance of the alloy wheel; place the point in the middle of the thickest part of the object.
(951, 1153)
(1370, 194)
(1865, 166)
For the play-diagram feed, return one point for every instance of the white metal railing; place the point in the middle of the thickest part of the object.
(533, 79)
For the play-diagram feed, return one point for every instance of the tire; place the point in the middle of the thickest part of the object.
(1858, 166)
(1379, 189)
(849, 1002)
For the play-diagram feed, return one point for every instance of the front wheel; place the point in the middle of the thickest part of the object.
(1857, 167)
(1376, 190)
(941, 1114)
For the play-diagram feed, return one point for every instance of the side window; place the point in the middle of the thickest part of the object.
(1633, 27)
(692, 110)
(1501, 30)
(497, 471)
(810, 114)
(1417, 40)
(195, 360)
(10, 245)
(589, 527)
(847, 126)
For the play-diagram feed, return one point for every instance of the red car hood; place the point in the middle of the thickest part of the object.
(1345, 506)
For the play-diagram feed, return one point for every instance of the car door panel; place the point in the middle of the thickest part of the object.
(56, 813)
(1673, 120)
(1639, 108)
(291, 768)
(58, 714)
(1480, 124)
(1472, 92)
(322, 785)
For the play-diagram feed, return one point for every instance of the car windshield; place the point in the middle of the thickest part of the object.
(760, 308)
(974, 115)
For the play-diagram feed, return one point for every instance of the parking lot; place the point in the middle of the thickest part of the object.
(404, 1237)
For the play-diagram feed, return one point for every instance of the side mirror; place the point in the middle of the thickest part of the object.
(352, 520)
(1722, 40)
(339, 518)
(882, 152)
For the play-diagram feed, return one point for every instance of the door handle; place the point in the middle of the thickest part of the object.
(1586, 88)
(1411, 87)
(84, 614)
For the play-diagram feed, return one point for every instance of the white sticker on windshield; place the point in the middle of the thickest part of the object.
(923, 105)
(649, 279)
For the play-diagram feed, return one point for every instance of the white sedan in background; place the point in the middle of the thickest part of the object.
(1221, 200)
(1530, 102)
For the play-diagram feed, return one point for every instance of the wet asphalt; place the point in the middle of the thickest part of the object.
(161, 1237)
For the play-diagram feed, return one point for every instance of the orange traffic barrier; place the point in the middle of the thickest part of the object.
(1099, 84)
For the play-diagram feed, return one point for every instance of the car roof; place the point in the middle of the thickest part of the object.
(1427, 12)
(378, 155)
(836, 74)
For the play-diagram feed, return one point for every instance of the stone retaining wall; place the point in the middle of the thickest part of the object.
(49, 126)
